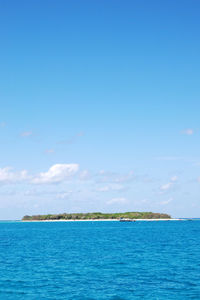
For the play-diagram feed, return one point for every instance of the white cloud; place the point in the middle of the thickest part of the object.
(7, 175)
(125, 178)
(84, 175)
(174, 178)
(63, 195)
(111, 177)
(198, 179)
(121, 200)
(188, 131)
(166, 201)
(101, 172)
(110, 187)
(103, 189)
(166, 186)
(26, 133)
(57, 173)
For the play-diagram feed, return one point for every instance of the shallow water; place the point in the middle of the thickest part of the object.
(100, 260)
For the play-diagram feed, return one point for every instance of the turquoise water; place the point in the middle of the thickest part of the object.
(100, 260)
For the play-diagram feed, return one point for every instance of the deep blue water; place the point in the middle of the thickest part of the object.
(100, 260)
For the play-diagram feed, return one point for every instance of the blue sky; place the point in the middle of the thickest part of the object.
(99, 107)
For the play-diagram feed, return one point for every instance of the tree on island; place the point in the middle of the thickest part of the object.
(97, 216)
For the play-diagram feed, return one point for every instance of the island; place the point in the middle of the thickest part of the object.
(96, 216)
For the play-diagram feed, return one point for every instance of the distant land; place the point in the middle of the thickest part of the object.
(97, 216)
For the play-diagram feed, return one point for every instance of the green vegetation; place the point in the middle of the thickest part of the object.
(97, 215)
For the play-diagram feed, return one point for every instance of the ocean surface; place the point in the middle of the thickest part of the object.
(100, 260)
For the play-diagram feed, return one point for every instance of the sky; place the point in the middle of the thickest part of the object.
(100, 105)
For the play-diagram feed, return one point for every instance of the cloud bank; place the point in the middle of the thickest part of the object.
(57, 173)
(7, 175)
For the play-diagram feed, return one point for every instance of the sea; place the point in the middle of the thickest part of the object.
(100, 260)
